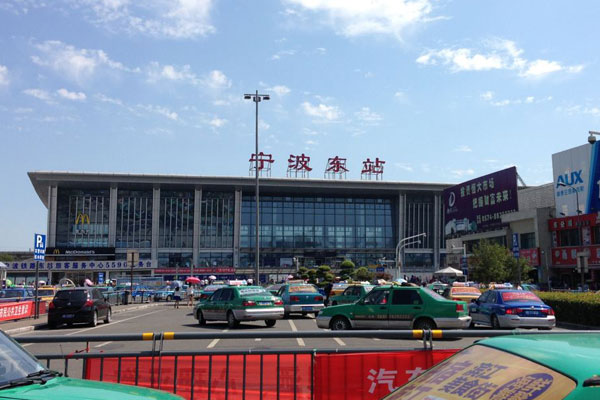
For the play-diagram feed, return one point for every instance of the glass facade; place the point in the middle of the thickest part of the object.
(134, 219)
(216, 220)
(176, 226)
(82, 218)
(419, 219)
(215, 259)
(175, 260)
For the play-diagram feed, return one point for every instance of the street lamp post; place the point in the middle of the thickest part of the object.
(257, 98)
(401, 244)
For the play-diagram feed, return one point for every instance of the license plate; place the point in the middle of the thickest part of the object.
(531, 313)
(307, 308)
(68, 315)
(264, 303)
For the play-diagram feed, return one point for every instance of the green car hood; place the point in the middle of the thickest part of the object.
(67, 388)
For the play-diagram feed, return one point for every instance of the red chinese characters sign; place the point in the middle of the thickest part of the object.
(336, 167)
(18, 310)
(567, 256)
(372, 168)
(531, 255)
(202, 270)
(262, 162)
(298, 165)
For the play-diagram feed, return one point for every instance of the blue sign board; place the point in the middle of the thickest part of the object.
(100, 277)
(39, 247)
(515, 244)
(464, 266)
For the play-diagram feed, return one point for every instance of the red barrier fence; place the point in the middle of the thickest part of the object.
(352, 376)
(16, 310)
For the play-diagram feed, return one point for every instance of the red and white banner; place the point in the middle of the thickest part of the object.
(532, 256)
(18, 310)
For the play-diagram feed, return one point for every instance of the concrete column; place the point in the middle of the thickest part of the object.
(197, 209)
(155, 225)
(52, 212)
(401, 216)
(437, 221)
(237, 221)
(112, 217)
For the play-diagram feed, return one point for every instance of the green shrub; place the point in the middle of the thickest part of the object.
(576, 308)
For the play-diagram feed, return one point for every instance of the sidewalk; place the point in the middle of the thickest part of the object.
(30, 324)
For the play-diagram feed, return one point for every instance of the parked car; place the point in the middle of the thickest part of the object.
(438, 287)
(530, 286)
(541, 367)
(274, 289)
(16, 294)
(404, 306)
(511, 308)
(351, 294)
(78, 305)
(240, 303)
(336, 289)
(110, 294)
(46, 293)
(164, 294)
(459, 291)
(142, 293)
(301, 298)
(208, 290)
(23, 377)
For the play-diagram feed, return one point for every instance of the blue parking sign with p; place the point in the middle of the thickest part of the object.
(39, 246)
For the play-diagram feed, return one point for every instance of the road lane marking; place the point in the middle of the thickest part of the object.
(103, 344)
(215, 341)
(339, 341)
(376, 339)
(257, 339)
(293, 326)
(112, 323)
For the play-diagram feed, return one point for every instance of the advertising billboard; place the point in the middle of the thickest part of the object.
(478, 204)
(576, 175)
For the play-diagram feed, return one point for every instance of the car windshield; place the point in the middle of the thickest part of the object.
(253, 291)
(302, 289)
(368, 288)
(15, 362)
(520, 296)
(433, 294)
(8, 293)
(75, 295)
(213, 288)
(494, 373)
(45, 292)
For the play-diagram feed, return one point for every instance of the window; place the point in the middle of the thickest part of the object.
(569, 237)
(377, 297)
(226, 295)
(216, 295)
(406, 297)
(528, 240)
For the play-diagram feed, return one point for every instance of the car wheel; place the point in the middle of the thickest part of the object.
(494, 322)
(94, 320)
(472, 325)
(232, 322)
(201, 320)
(424, 324)
(340, 324)
(108, 316)
(270, 322)
(52, 325)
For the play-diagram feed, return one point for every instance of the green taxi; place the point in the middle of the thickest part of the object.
(530, 366)
(23, 377)
(350, 294)
(403, 306)
(240, 303)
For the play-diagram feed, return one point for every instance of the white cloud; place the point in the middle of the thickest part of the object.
(105, 99)
(365, 114)
(75, 64)
(580, 110)
(310, 132)
(217, 80)
(322, 111)
(321, 50)
(359, 17)
(160, 110)
(499, 54)
(75, 96)
(262, 125)
(404, 167)
(463, 172)
(280, 54)
(4, 76)
(217, 122)
(39, 94)
(157, 72)
(489, 97)
(463, 148)
(176, 19)
(280, 90)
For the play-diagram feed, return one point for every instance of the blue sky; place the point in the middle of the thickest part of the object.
(443, 91)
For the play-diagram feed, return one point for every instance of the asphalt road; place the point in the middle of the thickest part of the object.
(165, 318)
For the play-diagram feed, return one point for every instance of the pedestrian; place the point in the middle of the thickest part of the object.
(190, 296)
(177, 296)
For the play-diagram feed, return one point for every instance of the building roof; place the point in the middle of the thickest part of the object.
(41, 180)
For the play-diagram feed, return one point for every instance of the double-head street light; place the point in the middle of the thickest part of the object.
(403, 243)
(257, 98)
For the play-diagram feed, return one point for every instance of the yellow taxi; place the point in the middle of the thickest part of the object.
(459, 291)
(46, 293)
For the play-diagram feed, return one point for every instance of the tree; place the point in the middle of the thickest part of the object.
(7, 257)
(383, 275)
(513, 270)
(312, 276)
(347, 269)
(363, 274)
(303, 273)
(490, 262)
(322, 273)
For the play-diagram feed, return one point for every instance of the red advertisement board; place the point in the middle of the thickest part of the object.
(531, 255)
(187, 271)
(17, 310)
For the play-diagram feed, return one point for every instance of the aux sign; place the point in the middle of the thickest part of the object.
(576, 180)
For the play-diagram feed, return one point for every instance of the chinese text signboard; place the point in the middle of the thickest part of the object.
(22, 309)
(298, 165)
(478, 204)
(75, 265)
(372, 169)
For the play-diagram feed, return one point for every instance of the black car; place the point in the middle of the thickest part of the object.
(86, 305)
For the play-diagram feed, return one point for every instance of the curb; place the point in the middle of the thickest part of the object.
(21, 330)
